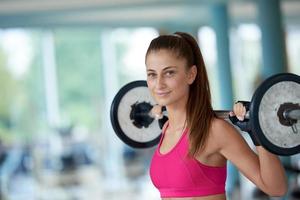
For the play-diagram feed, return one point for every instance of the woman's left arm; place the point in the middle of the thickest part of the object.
(263, 168)
(272, 171)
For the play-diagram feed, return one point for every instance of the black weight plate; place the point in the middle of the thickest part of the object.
(131, 135)
(273, 92)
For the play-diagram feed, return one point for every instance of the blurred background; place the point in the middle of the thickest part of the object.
(62, 62)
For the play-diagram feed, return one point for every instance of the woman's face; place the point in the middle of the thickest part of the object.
(168, 78)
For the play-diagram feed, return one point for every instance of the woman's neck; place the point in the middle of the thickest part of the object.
(177, 117)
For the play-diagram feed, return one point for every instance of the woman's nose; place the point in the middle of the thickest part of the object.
(160, 82)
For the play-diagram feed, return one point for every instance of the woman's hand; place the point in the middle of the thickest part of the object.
(239, 110)
(156, 112)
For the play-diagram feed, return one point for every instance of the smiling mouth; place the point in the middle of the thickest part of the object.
(162, 93)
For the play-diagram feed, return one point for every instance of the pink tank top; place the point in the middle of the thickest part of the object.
(175, 174)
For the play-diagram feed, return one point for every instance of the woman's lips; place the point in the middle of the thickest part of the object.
(161, 94)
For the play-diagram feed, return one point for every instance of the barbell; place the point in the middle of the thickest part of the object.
(274, 114)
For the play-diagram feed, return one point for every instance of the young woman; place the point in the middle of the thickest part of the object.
(190, 160)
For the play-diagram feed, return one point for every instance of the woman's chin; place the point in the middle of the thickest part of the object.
(161, 102)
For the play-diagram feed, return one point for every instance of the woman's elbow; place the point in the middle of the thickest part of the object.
(279, 192)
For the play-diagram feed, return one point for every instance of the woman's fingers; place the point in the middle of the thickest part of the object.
(156, 112)
(240, 111)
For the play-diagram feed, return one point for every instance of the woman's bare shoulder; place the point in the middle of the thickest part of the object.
(222, 130)
(220, 125)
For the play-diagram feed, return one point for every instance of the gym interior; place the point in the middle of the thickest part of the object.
(62, 63)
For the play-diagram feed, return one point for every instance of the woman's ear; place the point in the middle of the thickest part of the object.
(192, 74)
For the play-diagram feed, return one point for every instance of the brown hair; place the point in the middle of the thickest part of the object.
(199, 109)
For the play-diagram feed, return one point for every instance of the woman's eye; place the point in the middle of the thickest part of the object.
(170, 73)
(151, 75)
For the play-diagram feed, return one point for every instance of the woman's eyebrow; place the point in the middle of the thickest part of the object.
(150, 70)
(164, 69)
(169, 67)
